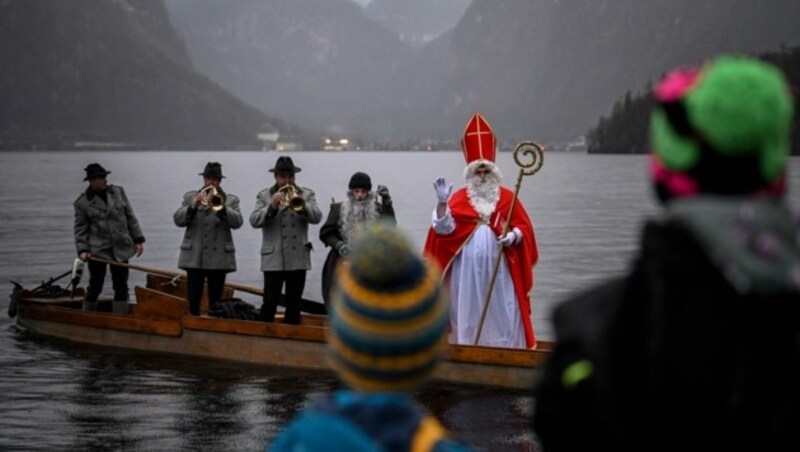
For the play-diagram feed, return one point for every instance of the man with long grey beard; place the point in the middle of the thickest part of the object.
(362, 208)
(465, 238)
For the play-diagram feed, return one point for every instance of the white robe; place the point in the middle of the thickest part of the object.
(469, 276)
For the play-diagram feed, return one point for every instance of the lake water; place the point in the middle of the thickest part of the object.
(587, 211)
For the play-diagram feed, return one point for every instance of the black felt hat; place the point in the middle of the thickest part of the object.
(285, 165)
(213, 169)
(360, 180)
(95, 170)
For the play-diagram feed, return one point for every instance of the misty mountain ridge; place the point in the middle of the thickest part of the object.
(545, 70)
(314, 62)
(96, 73)
(204, 73)
(417, 22)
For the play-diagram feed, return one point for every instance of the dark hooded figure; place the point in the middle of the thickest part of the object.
(698, 346)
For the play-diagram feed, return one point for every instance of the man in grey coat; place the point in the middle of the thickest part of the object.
(106, 228)
(283, 212)
(207, 250)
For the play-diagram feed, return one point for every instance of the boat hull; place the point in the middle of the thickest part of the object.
(159, 323)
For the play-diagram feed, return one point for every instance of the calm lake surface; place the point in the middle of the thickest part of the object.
(587, 211)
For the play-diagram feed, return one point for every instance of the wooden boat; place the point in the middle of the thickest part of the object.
(159, 322)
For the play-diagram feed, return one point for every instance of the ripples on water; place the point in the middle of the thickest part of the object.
(587, 211)
(64, 396)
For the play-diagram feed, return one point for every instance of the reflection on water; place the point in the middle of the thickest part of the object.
(79, 397)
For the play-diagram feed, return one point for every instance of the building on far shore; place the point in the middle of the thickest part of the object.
(341, 144)
(268, 135)
(287, 146)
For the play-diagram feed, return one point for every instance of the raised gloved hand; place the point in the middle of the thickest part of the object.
(383, 192)
(443, 190)
(343, 248)
(510, 238)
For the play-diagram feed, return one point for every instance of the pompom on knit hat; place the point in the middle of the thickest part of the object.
(722, 128)
(360, 180)
(389, 314)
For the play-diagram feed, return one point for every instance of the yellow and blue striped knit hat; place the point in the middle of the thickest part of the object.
(389, 314)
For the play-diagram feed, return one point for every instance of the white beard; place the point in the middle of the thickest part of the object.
(484, 193)
(355, 215)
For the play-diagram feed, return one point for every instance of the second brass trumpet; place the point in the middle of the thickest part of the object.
(292, 198)
(212, 198)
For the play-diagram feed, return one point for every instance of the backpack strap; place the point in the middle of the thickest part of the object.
(429, 432)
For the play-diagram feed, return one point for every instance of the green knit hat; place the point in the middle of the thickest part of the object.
(389, 314)
(735, 108)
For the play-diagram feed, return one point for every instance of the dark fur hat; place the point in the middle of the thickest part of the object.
(360, 180)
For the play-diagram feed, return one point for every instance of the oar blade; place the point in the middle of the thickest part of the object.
(16, 293)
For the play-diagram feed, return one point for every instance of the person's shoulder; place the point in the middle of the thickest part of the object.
(505, 190)
(587, 313)
(307, 190)
(81, 198)
(334, 210)
(264, 191)
(460, 193)
(316, 430)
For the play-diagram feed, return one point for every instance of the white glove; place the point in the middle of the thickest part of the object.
(443, 191)
(511, 237)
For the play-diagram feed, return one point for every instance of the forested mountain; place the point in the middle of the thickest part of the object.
(544, 69)
(116, 71)
(85, 73)
(625, 129)
(550, 68)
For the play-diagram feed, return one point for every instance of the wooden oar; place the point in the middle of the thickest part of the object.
(306, 305)
(537, 155)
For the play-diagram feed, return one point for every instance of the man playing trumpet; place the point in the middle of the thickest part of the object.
(283, 213)
(207, 251)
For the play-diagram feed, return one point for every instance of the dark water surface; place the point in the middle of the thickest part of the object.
(56, 395)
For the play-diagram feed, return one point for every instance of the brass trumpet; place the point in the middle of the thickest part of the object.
(292, 198)
(212, 198)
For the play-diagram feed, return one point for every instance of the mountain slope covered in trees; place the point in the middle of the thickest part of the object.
(625, 129)
(550, 68)
(110, 74)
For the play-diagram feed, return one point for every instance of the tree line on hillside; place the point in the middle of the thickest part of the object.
(625, 130)
(95, 74)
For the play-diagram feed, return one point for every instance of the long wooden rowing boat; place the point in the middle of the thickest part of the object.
(159, 322)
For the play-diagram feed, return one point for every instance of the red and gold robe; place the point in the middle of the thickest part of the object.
(520, 257)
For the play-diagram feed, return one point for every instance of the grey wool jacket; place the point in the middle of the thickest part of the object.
(284, 232)
(208, 242)
(106, 229)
